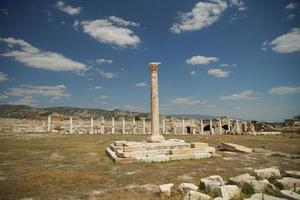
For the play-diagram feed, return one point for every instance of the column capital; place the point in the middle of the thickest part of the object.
(154, 66)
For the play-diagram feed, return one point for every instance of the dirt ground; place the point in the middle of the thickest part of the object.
(41, 166)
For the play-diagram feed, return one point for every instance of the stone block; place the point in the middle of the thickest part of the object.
(116, 148)
(120, 142)
(229, 192)
(261, 196)
(290, 194)
(187, 186)
(199, 145)
(194, 195)
(129, 149)
(180, 151)
(288, 183)
(293, 173)
(203, 150)
(160, 158)
(240, 180)
(260, 186)
(181, 157)
(166, 189)
(235, 147)
(201, 155)
(211, 183)
(267, 173)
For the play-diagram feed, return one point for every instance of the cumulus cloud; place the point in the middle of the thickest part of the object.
(219, 73)
(54, 92)
(187, 101)
(103, 61)
(239, 4)
(3, 77)
(245, 95)
(141, 84)
(112, 30)
(107, 75)
(67, 9)
(31, 56)
(292, 6)
(200, 60)
(284, 90)
(286, 43)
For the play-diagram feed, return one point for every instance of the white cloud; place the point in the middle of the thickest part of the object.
(201, 16)
(291, 6)
(112, 30)
(286, 43)
(228, 65)
(103, 61)
(219, 73)
(104, 97)
(98, 87)
(67, 9)
(3, 77)
(284, 90)
(141, 84)
(245, 95)
(107, 75)
(187, 101)
(36, 58)
(291, 16)
(54, 92)
(239, 4)
(200, 60)
(192, 72)
(26, 100)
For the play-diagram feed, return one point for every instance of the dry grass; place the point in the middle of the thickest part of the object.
(76, 167)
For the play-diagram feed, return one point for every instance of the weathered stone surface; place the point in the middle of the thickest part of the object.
(219, 198)
(235, 147)
(260, 186)
(203, 150)
(293, 173)
(166, 189)
(180, 151)
(187, 186)
(199, 144)
(211, 183)
(267, 173)
(138, 154)
(201, 155)
(194, 195)
(159, 158)
(229, 191)
(120, 142)
(288, 182)
(290, 194)
(116, 148)
(181, 157)
(241, 179)
(129, 149)
(261, 196)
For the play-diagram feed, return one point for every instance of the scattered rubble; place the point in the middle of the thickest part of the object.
(240, 180)
(211, 183)
(288, 183)
(235, 147)
(229, 191)
(187, 186)
(267, 173)
(290, 194)
(194, 195)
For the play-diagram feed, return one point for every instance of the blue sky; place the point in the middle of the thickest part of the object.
(219, 57)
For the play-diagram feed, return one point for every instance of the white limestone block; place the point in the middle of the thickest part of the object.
(289, 182)
(211, 183)
(290, 194)
(194, 195)
(241, 179)
(187, 186)
(267, 173)
(166, 189)
(229, 191)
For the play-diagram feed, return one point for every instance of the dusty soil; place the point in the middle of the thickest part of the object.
(76, 167)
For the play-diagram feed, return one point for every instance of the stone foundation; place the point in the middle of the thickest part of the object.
(168, 150)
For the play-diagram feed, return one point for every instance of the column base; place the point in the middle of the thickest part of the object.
(156, 138)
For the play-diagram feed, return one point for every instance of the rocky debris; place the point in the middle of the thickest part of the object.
(229, 191)
(211, 183)
(166, 189)
(260, 186)
(235, 147)
(288, 183)
(293, 173)
(261, 196)
(290, 194)
(219, 198)
(267, 173)
(240, 180)
(194, 195)
(187, 186)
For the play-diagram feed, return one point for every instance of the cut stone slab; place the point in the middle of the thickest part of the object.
(211, 183)
(199, 144)
(194, 195)
(260, 186)
(293, 173)
(290, 194)
(288, 182)
(181, 151)
(235, 147)
(201, 155)
(240, 180)
(267, 173)
(261, 196)
(203, 150)
(229, 191)
(187, 186)
(166, 189)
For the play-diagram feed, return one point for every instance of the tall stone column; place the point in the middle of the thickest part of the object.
(113, 125)
(228, 124)
(202, 128)
(183, 127)
(238, 129)
(245, 127)
(71, 125)
(211, 127)
(193, 128)
(144, 126)
(123, 126)
(102, 126)
(92, 126)
(220, 126)
(133, 126)
(49, 123)
(155, 136)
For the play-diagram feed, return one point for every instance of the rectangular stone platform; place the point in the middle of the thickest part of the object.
(173, 149)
